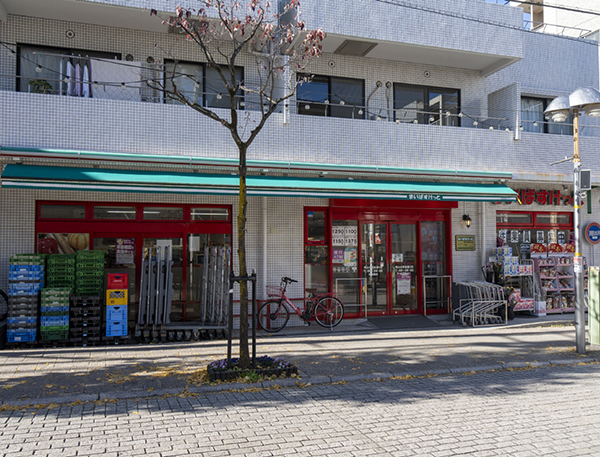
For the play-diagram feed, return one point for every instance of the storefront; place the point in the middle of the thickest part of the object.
(388, 257)
(127, 231)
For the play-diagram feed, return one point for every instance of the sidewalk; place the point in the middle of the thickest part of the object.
(356, 350)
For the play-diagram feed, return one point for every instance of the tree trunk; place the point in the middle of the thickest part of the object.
(243, 204)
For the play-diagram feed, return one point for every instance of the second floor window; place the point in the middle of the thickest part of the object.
(201, 84)
(62, 71)
(426, 105)
(331, 96)
(533, 119)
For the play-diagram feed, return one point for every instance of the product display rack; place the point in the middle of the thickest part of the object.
(557, 282)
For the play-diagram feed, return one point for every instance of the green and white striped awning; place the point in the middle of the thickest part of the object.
(18, 176)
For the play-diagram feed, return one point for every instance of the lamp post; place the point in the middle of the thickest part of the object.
(587, 100)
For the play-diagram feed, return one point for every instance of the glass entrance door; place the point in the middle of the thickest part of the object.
(389, 259)
(374, 261)
(404, 268)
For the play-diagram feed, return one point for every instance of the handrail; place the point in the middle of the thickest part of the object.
(425, 290)
(363, 286)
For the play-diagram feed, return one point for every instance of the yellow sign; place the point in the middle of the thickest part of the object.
(465, 242)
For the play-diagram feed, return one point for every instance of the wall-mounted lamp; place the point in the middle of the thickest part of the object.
(467, 220)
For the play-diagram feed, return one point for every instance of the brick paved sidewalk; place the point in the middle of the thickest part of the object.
(352, 352)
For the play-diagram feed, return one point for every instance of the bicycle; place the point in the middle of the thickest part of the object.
(325, 308)
(3, 305)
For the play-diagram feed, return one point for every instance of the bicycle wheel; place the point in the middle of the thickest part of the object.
(272, 316)
(329, 312)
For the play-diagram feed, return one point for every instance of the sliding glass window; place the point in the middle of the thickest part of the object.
(426, 105)
(331, 96)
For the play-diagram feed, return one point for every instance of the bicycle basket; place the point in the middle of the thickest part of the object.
(274, 291)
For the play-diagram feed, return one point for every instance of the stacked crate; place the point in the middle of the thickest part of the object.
(89, 273)
(116, 306)
(54, 320)
(26, 280)
(85, 320)
(60, 270)
(86, 316)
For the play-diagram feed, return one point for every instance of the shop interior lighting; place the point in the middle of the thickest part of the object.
(467, 220)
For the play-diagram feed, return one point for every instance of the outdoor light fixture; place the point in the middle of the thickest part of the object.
(38, 69)
(584, 99)
(467, 220)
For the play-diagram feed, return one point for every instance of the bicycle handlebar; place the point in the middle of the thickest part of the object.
(288, 280)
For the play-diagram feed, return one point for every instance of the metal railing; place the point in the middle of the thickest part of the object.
(440, 292)
(363, 288)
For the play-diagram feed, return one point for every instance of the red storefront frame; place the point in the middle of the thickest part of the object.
(378, 211)
(136, 228)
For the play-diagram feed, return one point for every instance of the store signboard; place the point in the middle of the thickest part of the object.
(465, 242)
(592, 233)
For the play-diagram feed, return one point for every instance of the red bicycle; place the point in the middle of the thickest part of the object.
(325, 308)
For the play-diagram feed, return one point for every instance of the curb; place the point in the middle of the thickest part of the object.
(42, 403)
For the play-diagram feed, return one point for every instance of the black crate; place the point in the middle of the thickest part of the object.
(86, 311)
(88, 332)
(15, 300)
(85, 300)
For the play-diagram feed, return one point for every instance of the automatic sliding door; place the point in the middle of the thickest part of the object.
(404, 268)
(374, 264)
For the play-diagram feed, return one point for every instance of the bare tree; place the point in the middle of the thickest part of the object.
(227, 31)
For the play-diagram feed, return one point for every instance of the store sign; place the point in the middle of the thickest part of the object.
(592, 233)
(543, 197)
(424, 197)
(465, 242)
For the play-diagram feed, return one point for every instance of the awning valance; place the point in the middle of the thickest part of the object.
(113, 180)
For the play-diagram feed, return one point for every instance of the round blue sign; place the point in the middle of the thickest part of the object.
(592, 233)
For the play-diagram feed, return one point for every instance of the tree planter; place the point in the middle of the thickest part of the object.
(235, 373)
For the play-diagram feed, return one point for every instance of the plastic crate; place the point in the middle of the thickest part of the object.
(16, 268)
(85, 311)
(41, 258)
(57, 291)
(22, 311)
(20, 320)
(87, 332)
(17, 300)
(116, 328)
(116, 297)
(54, 310)
(26, 275)
(49, 335)
(90, 255)
(20, 336)
(89, 280)
(82, 301)
(89, 291)
(53, 321)
(90, 265)
(25, 292)
(116, 313)
(117, 281)
(61, 268)
(60, 259)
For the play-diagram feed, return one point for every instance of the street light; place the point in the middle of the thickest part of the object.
(584, 99)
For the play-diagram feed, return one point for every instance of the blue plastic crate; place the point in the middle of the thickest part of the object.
(32, 292)
(116, 328)
(22, 320)
(116, 313)
(51, 321)
(54, 309)
(25, 268)
(20, 336)
(25, 275)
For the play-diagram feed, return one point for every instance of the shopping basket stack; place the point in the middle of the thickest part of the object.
(60, 270)
(54, 320)
(26, 280)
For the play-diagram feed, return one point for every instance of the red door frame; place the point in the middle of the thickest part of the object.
(400, 212)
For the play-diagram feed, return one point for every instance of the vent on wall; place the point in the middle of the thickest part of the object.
(355, 48)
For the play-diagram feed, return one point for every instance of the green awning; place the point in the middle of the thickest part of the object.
(111, 180)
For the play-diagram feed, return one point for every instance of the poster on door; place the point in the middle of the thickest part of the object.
(337, 256)
(403, 283)
(125, 251)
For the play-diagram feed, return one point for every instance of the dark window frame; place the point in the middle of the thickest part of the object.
(75, 55)
(424, 117)
(544, 124)
(328, 108)
(240, 98)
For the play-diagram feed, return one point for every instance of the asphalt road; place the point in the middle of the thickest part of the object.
(530, 411)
